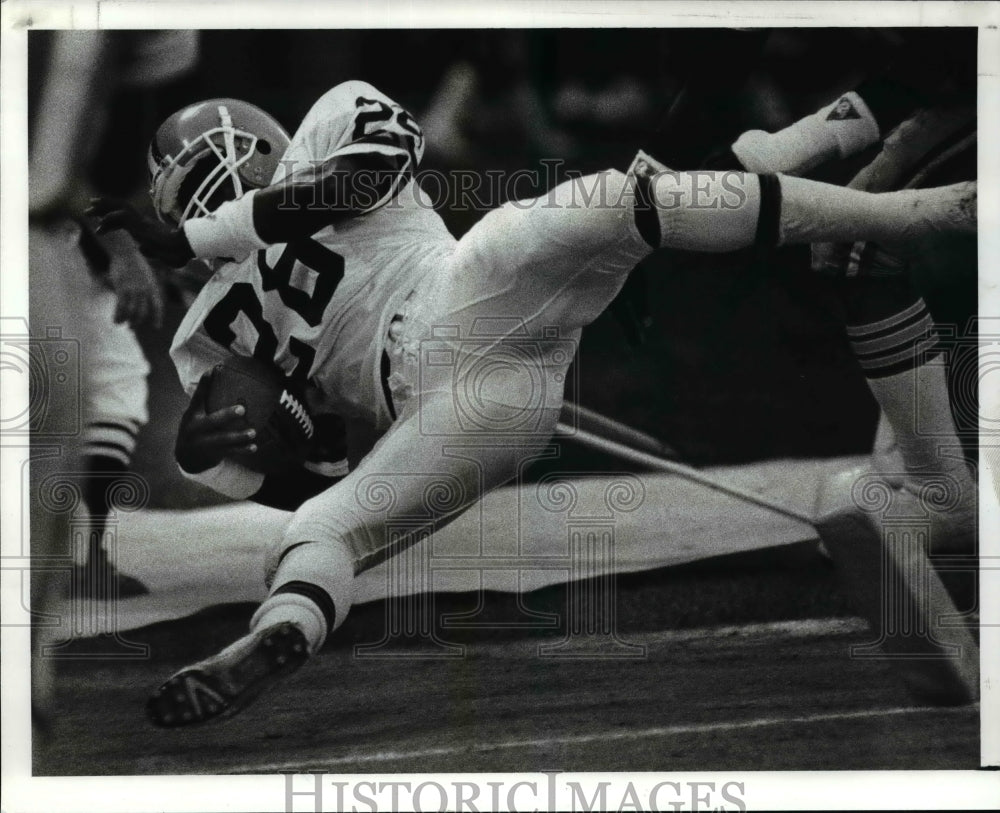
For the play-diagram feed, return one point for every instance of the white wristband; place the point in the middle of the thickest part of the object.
(230, 479)
(842, 128)
(228, 232)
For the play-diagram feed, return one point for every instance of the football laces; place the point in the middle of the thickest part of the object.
(298, 412)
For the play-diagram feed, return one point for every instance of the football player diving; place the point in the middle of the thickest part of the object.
(332, 265)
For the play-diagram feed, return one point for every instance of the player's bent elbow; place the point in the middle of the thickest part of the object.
(229, 479)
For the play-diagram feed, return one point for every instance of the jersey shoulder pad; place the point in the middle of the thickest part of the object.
(341, 100)
(356, 117)
(331, 120)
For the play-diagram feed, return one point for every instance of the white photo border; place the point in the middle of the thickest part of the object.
(777, 791)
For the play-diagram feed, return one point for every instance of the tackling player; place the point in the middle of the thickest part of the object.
(332, 264)
(109, 282)
(927, 127)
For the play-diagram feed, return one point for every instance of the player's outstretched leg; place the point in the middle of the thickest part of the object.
(900, 351)
(310, 596)
(98, 577)
(726, 211)
(893, 584)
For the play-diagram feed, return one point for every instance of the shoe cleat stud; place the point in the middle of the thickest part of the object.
(226, 683)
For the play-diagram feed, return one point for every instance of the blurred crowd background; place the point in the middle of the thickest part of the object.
(728, 366)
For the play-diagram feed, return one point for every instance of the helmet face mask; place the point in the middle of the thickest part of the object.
(209, 153)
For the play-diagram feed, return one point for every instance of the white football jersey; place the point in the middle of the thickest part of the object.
(319, 308)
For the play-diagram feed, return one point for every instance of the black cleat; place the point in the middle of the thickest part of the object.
(225, 683)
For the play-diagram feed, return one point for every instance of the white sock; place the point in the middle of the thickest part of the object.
(313, 587)
(719, 211)
(297, 609)
(813, 212)
(915, 403)
(706, 211)
(840, 129)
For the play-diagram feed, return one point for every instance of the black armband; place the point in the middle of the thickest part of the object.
(769, 218)
(306, 202)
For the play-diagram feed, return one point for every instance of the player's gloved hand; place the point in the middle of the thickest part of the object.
(135, 283)
(204, 439)
(156, 240)
(859, 259)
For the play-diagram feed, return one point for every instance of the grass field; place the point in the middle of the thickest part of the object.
(737, 663)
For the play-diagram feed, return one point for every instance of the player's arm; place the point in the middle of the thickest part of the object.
(340, 188)
(133, 280)
(206, 442)
(205, 438)
(357, 149)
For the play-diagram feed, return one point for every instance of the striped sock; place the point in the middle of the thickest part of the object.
(897, 354)
(899, 342)
(113, 438)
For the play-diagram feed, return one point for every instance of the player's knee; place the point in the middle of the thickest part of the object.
(582, 211)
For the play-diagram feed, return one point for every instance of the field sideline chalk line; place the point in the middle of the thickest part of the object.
(584, 739)
(794, 629)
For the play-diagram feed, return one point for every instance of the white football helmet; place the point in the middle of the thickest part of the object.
(211, 152)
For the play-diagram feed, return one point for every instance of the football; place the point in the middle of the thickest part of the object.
(274, 408)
